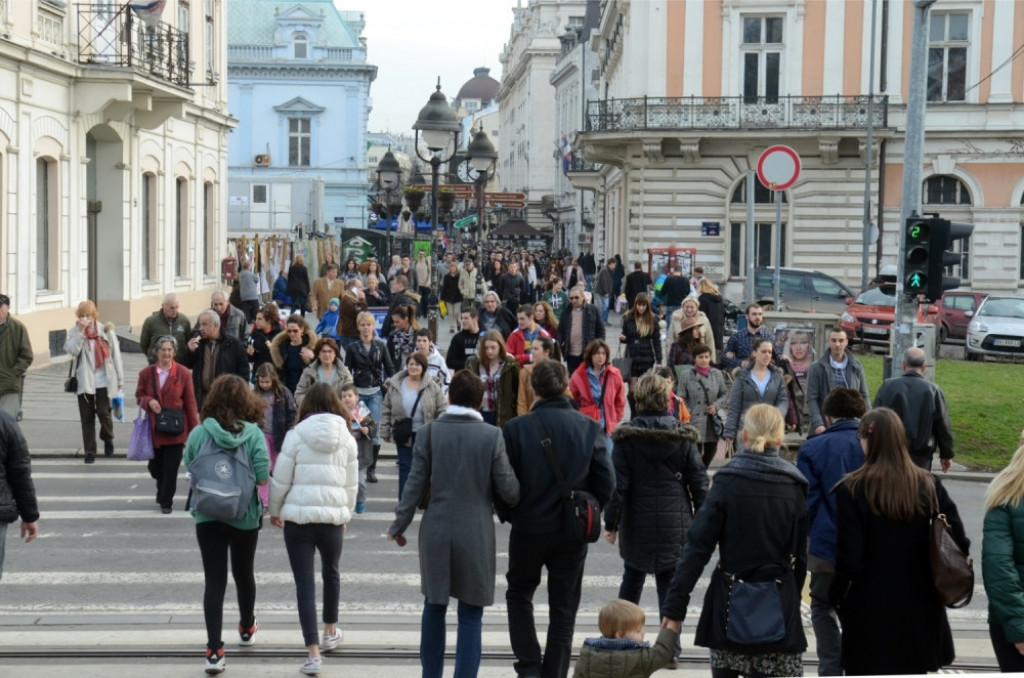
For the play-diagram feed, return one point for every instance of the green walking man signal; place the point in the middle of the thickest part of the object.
(930, 255)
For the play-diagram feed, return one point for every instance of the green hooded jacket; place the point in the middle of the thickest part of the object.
(256, 443)
(640, 662)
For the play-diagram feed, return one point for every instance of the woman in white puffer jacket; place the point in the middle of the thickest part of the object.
(312, 496)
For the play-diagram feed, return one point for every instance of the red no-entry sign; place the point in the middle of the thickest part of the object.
(778, 168)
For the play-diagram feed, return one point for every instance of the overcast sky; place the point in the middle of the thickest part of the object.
(412, 42)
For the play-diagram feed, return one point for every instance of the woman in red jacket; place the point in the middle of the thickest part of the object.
(597, 387)
(167, 385)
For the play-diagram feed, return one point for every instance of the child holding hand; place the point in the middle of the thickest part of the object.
(621, 651)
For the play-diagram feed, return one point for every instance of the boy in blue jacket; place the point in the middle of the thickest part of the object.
(328, 326)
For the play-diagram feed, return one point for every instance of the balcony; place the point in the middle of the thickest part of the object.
(114, 37)
(578, 164)
(735, 113)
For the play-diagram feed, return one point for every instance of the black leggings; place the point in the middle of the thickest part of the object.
(163, 467)
(215, 539)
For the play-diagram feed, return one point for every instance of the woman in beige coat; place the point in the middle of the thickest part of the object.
(94, 349)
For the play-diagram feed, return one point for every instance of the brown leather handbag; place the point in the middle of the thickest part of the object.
(952, 569)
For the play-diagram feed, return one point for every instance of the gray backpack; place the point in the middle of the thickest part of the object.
(223, 481)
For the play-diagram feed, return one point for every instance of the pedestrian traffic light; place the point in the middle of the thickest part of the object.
(944, 234)
(916, 268)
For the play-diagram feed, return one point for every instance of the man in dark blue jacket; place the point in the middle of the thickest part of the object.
(538, 540)
(17, 492)
(824, 460)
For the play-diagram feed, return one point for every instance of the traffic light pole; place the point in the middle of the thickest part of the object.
(913, 160)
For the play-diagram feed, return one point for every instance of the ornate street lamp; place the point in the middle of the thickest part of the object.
(482, 157)
(389, 178)
(439, 127)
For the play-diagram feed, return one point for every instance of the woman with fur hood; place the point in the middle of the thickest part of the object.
(97, 357)
(292, 350)
(660, 483)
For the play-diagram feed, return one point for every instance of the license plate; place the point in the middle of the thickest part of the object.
(867, 329)
(1009, 343)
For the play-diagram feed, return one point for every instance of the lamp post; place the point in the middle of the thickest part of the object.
(389, 177)
(440, 131)
(482, 157)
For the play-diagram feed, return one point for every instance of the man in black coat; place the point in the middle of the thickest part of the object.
(400, 297)
(537, 539)
(17, 492)
(675, 288)
(211, 354)
(494, 316)
(636, 282)
(580, 325)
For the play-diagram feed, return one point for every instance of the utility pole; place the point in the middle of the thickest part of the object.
(913, 160)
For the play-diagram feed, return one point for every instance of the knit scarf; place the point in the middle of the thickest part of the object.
(101, 350)
(703, 371)
(767, 466)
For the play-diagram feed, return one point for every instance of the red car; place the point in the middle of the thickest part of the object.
(870, 315)
(956, 309)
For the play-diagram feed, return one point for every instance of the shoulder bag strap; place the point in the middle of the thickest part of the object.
(72, 365)
(556, 470)
(419, 394)
(156, 384)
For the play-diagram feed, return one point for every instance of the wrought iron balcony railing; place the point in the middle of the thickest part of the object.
(737, 113)
(578, 164)
(112, 35)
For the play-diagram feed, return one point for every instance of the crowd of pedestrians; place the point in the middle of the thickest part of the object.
(528, 409)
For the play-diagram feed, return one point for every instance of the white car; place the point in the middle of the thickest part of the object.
(997, 329)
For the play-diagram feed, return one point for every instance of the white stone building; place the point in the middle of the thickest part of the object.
(692, 92)
(113, 148)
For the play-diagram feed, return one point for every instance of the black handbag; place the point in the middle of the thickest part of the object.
(581, 513)
(401, 431)
(167, 421)
(717, 424)
(71, 383)
(753, 613)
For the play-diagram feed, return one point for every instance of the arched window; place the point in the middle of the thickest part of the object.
(149, 236)
(300, 44)
(762, 195)
(181, 227)
(945, 190)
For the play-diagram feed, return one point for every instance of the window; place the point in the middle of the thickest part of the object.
(47, 221)
(298, 142)
(960, 302)
(183, 16)
(963, 269)
(764, 247)
(148, 241)
(181, 227)
(1021, 274)
(945, 190)
(947, 56)
(826, 287)
(301, 46)
(259, 194)
(209, 231)
(762, 58)
(762, 194)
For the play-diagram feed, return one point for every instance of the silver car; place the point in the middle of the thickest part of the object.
(997, 329)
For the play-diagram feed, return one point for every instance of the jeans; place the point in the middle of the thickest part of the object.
(424, 306)
(826, 625)
(91, 407)
(10, 403)
(163, 468)
(454, 315)
(527, 555)
(605, 304)
(467, 645)
(404, 466)
(589, 278)
(1010, 661)
(632, 587)
(361, 493)
(301, 542)
(374, 403)
(216, 539)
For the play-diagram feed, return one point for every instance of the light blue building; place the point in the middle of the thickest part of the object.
(299, 85)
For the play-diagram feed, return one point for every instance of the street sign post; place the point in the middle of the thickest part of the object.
(465, 221)
(778, 168)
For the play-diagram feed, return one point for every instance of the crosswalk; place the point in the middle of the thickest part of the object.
(116, 570)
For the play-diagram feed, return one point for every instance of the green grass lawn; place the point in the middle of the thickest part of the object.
(986, 406)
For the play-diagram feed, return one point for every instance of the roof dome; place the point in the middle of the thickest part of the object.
(481, 86)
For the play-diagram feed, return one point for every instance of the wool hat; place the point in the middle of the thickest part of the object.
(335, 301)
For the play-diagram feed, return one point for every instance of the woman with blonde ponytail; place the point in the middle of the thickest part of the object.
(1002, 563)
(756, 516)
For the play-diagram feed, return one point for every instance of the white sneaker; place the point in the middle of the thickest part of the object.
(312, 666)
(329, 642)
(215, 661)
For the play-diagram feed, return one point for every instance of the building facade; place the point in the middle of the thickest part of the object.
(691, 93)
(113, 148)
(299, 85)
(528, 152)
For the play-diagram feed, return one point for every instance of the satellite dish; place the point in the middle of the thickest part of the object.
(373, 218)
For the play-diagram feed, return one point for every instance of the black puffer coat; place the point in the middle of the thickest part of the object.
(17, 493)
(660, 483)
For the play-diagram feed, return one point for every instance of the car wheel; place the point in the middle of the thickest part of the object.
(943, 334)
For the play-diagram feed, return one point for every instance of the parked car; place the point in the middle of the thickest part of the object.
(803, 290)
(956, 308)
(869, 317)
(997, 329)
